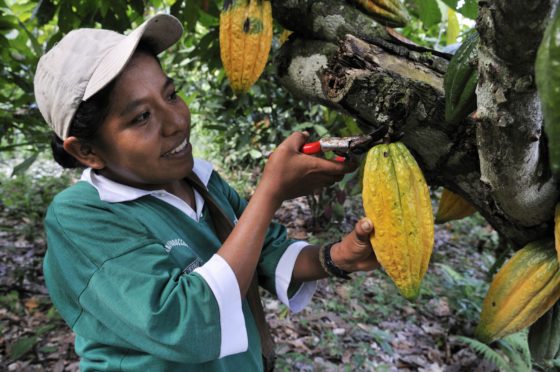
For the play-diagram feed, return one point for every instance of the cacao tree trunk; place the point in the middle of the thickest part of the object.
(497, 160)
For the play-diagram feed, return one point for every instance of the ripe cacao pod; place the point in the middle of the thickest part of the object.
(284, 36)
(557, 230)
(544, 336)
(390, 13)
(452, 207)
(525, 288)
(460, 80)
(547, 76)
(245, 41)
(397, 200)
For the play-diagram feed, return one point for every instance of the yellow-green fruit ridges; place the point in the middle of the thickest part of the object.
(390, 13)
(525, 288)
(245, 41)
(452, 207)
(397, 200)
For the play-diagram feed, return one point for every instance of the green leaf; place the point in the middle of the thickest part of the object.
(187, 12)
(4, 43)
(383, 339)
(137, 6)
(36, 47)
(24, 165)
(429, 12)
(321, 130)
(46, 328)
(469, 8)
(44, 12)
(255, 154)
(22, 347)
(450, 272)
(8, 23)
(487, 352)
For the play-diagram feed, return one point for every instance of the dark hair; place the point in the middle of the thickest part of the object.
(88, 118)
(84, 125)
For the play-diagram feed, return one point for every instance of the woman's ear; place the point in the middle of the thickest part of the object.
(83, 152)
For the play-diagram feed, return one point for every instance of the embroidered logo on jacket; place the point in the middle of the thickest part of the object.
(175, 243)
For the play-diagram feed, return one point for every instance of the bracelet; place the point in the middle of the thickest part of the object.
(328, 265)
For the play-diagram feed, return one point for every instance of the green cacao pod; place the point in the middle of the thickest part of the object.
(452, 207)
(523, 290)
(390, 13)
(397, 200)
(245, 41)
(460, 80)
(547, 77)
(544, 336)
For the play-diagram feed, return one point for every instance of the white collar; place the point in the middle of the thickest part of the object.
(114, 192)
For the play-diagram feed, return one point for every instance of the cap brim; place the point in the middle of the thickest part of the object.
(160, 31)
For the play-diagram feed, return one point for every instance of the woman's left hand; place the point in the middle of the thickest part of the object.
(354, 252)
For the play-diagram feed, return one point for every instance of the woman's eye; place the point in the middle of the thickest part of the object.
(141, 118)
(173, 95)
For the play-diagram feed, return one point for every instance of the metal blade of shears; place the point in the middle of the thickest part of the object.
(346, 146)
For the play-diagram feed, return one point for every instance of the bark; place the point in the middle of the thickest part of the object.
(510, 139)
(325, 19)
(498, 162)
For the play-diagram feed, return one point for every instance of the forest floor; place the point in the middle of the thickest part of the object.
(362, 324)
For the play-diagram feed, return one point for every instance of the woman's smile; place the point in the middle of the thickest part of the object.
(184, 148)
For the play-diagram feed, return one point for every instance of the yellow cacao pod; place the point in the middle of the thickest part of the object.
(245, 41)
(557, 230)
(284, 36)
(525, 288)
(452, 207)
(390, 13)
(397, 200)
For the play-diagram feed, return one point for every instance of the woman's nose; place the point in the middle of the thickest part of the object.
(174, 121)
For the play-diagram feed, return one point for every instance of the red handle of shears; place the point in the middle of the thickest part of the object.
(313, 148)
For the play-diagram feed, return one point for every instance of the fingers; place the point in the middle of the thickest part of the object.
(334, 168)
(296, 140)
(363, 229)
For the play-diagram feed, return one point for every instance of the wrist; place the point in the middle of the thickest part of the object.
(328, 264)
(267, 197)
(337, 257)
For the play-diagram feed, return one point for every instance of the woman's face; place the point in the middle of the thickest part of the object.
(144, 141)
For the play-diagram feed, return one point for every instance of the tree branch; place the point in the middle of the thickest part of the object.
(391, 85)
(511, 147)
(325, 20)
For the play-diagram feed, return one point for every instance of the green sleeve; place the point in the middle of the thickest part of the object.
(104, 272)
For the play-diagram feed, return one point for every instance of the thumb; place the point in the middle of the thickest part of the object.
(363, 229)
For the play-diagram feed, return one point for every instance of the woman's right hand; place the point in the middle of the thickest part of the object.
(289, 173)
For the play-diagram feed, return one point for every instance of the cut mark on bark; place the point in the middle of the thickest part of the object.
(355, 52)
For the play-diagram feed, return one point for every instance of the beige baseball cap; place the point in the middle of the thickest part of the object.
(86, 60)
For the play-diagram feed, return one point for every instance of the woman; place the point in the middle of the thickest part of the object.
(134, 261)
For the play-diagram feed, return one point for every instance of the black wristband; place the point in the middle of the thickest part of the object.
(328, 264)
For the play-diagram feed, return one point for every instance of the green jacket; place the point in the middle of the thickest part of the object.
(141, 286)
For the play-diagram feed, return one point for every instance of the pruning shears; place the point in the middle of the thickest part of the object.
(345, 147)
